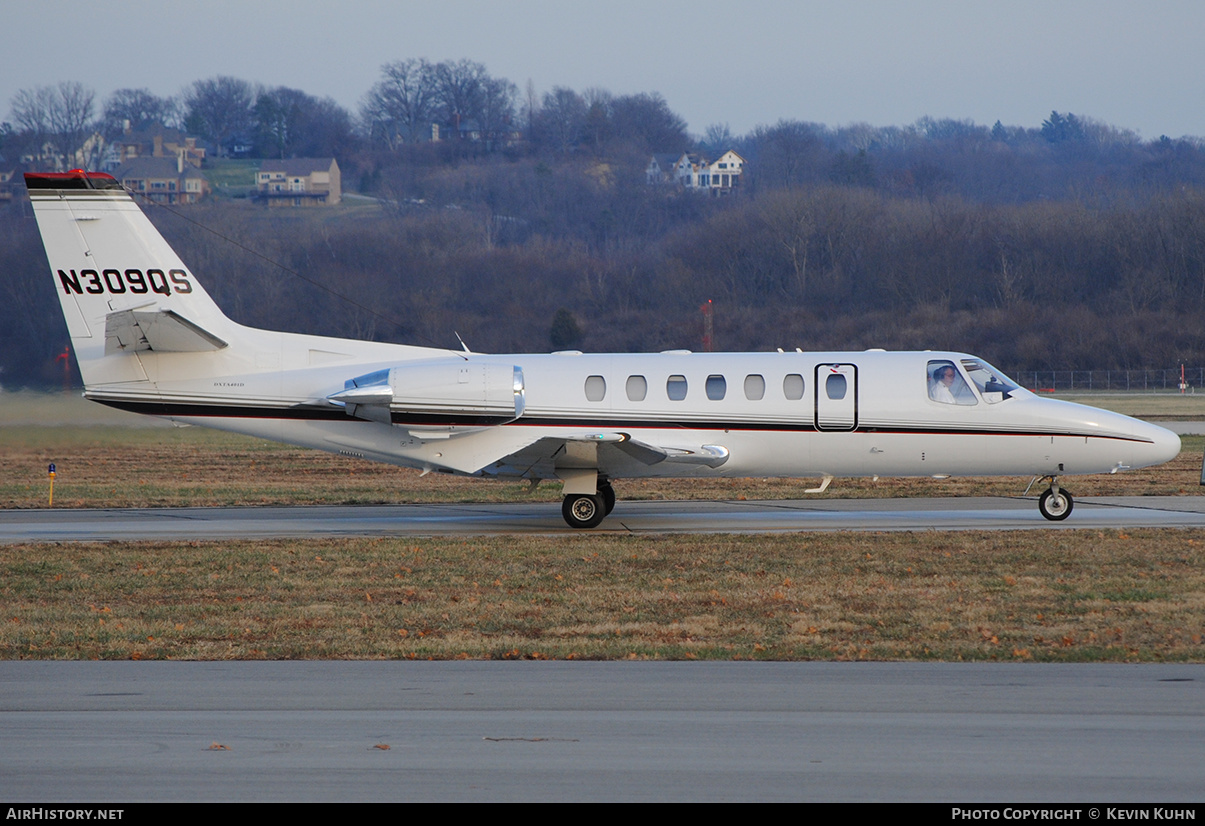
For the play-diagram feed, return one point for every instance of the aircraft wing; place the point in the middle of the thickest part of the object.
(613, 455)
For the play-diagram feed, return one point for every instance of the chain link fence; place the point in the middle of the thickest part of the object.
(1161, 381)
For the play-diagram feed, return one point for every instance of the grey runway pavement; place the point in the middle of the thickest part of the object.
(970, 513)
(536, 731)
(297, 731)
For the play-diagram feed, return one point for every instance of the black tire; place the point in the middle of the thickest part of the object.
(581, 510)
(1056, 508)
(608, 496)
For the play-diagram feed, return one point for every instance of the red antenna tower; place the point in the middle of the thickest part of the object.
(708, 328)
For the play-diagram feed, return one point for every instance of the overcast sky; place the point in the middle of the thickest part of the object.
(1134, 65)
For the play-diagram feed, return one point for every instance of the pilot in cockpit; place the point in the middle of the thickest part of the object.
(947, 387)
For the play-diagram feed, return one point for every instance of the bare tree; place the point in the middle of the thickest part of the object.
(646, 121)
(31, 111)
(717, 138)
(600, 112)
(59, 115)
(220, 108)
(137, 106)
(789, 153)
(789, 217)
(460, 89)
(72, 119)
(326, 129)
(289, 123)
(497, 112)
(563, 117)
(401, 105)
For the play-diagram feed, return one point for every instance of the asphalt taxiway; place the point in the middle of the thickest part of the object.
(636, 517)
(467, 731)
(539, 731)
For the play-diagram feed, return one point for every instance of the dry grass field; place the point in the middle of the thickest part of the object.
(1025, 595)
(1068, 596)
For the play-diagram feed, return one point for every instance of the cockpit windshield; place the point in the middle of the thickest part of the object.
(993, 385)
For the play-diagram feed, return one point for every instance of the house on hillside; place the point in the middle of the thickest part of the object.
(661, 168)
(166, 180)
(469, 129)
(154, 140)
(299, 182)
(723, 175)
(49, 158)
(695, 172)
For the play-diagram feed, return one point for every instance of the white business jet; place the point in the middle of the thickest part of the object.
(149, 339)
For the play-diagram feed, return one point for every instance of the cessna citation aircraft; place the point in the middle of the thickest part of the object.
(149, 339)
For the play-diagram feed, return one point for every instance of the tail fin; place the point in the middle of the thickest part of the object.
(122, 288)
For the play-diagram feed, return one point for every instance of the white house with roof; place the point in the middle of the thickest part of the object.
(722, 175)
(693, 171)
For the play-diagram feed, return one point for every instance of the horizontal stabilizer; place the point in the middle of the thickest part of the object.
(162, 331)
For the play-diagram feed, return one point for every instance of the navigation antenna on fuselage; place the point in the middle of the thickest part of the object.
(462, 344)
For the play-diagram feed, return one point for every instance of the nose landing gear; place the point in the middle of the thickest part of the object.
(1055, 504)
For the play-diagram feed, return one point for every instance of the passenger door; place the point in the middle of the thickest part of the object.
(836, 397)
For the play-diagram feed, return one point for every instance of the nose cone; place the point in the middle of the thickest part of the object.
(1151, 445)
(1164, 445)
(1122, 442)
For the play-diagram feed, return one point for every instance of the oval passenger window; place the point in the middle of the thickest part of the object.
(792, 387)
(717, 386)
(755, 387)
(596, 388)
(835, 386)
(675, 388)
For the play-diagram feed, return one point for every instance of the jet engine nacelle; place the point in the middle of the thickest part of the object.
(437, 394)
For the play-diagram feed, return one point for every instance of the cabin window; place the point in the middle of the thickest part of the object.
(946, 384)
(792, 387)
(675, 388)
(755, 387)
(596, 388)
(716, 387)
(835, 386)
(637, 388)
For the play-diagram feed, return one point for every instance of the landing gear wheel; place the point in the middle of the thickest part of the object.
(582, 510)
(1056, 505)
(608, 496)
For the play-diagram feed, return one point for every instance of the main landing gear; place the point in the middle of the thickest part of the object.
(587, 510)
(1055, 504)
